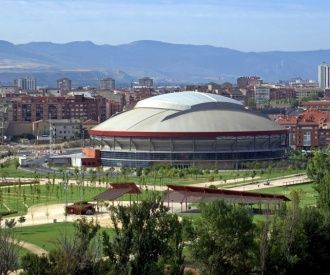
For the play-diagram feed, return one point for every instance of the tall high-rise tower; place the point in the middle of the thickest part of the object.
(146, 82)
(324, 76)
(64, 84)
(27, 83)
(107, 84)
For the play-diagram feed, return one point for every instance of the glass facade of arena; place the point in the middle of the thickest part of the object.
(144, 152)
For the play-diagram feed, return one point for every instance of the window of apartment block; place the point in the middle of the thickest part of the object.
(307, 138)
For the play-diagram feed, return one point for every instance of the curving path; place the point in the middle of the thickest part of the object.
(33, 248)
(30, 247)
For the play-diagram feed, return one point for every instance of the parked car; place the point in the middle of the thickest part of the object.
(80, 208)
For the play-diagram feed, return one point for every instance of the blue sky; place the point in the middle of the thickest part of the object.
(248, 25)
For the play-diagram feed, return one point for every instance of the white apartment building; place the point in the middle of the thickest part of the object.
(27, 83)
(61, 129)
(107, 84)
(324, 75)
(262, 95)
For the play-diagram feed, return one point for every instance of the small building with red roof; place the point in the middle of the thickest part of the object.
(309, 130)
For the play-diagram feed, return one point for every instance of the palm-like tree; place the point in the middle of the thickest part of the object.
(21, 220)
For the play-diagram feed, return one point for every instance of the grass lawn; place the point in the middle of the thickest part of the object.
(262, 176)
(306, 192)
(19, 198)
(9, 169)
(46, 235)
(207, 178)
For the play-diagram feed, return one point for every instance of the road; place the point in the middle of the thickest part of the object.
(273, 183)
(39, 163)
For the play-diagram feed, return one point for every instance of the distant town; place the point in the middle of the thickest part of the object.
(27, 110)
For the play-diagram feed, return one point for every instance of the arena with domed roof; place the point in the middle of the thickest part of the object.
(188, 129)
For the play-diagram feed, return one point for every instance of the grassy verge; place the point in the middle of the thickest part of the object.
(46, 236)
(10, 169)
(209, 178)
(19, 198)
(307, 192)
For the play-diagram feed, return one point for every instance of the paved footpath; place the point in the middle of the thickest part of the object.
(30, 247)
(222, 182)
(33, 248)
(273, 183)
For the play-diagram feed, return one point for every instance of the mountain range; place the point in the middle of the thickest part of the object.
(86, 62)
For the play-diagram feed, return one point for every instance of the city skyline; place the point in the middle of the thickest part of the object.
(243, 25)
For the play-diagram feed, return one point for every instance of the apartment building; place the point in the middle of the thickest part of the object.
(248, 81)
(282, 93)
(308, 92)
(262, 95)
(29, 108)
(324, 75)
(322, 105)
(107, 84)
(64, 84)
(60, 129)
(26, 83)
(309, 130)
(146, 82)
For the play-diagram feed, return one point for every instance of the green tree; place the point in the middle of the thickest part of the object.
(146, 238)
(16, 163)
(10, 223)
(72, 256)
(224, 239)
(124, 172)
(297, 242)
(323, 188)
(35, 265)
(253, 175)
(8, 251)
(319, 165)
(316, 228)
(21, 220)
(269, 170)
(318, 169)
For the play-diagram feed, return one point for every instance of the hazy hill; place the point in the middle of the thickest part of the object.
(164, 61)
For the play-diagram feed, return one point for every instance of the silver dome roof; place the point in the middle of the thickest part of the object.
(186, 112)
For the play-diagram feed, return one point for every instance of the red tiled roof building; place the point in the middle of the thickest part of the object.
(308, 130)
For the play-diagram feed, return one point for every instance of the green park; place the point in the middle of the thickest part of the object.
(174, 250)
